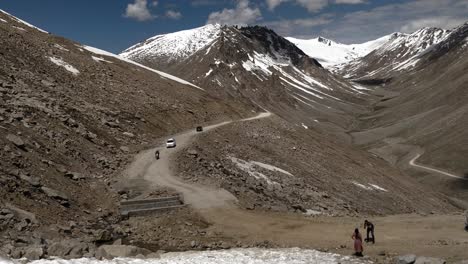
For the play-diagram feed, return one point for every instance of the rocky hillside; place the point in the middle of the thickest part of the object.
(271, 165)
(71, 118)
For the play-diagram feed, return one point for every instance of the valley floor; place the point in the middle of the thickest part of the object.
(433, 235)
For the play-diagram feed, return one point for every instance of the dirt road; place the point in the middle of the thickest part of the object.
(158, 172)
(412, 162)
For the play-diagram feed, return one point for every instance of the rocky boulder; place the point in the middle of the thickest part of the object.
(427, 260)
(61, 197)
(17, 141)
(34, 253)
(69, 249)
(120, 251)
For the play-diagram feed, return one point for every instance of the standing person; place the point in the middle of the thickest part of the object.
(358, 248)
(466, 220)
(157, 154)
(370, 230)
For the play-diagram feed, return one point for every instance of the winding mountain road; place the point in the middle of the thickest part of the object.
(158, 172)
(429, 169)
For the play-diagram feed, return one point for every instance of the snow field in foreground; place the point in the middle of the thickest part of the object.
(245, 256)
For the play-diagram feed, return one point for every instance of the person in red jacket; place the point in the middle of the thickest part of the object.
(358, 248)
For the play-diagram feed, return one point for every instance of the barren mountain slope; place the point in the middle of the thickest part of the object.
(255, 64)
(426, 113)
(70, 120)
(270, 165)
(396, 56)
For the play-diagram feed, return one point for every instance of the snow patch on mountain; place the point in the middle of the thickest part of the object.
(162, 74)
(22, 21)
(330, 53)
(175, 45)
(61, 63)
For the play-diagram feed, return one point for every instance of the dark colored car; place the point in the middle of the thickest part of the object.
(199, 129)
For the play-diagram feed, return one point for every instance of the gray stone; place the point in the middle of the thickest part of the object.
(125, 149)
(22, 214)
(427, 260)
(67, 249)
(47, 83)
(128, 134)
(103, 236)
(153, 256)
(31, 180)
(74, 175)
(192, 152)
(122, 251)
(34, 253)
(54, 193)
(17, 141)
(406, 259)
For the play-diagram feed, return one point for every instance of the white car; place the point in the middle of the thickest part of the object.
(170, 143)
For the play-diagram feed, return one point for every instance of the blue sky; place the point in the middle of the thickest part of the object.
(115, 25)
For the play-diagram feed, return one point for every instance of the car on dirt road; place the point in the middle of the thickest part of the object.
(171, 143)
(199, 129)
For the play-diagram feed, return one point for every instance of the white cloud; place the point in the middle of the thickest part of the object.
(242, 14)
(352, 2)
(441, 22)
(372, 23)
(139, 11)
(312, 5)
(173, 14)
(295, 27)
(272, 4)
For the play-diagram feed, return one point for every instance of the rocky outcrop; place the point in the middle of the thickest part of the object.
(120, 251)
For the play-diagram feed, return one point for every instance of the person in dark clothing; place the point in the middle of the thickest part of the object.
(157, 154)
(370, 230)
(466, 220)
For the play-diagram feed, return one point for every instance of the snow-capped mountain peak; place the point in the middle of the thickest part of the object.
(400, 52)
(175, 45)
(330, 53)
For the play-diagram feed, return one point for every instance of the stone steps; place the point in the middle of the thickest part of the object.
(150, 206)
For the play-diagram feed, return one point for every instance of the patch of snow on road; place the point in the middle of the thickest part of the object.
(68, 67)
(23, 22)
(163, 74)
(99, 59)
(245, 256)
